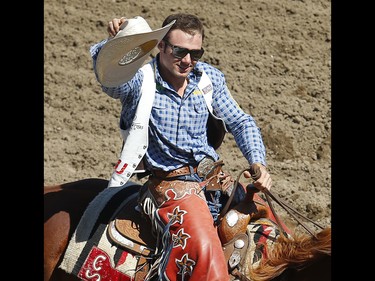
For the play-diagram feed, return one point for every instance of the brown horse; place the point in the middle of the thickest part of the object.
(299, 257)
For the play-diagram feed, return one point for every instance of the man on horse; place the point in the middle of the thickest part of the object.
(167, 105)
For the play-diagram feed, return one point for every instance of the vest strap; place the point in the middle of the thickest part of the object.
(216, 128)
(136, 137)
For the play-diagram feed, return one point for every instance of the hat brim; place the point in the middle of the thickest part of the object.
(121, 57)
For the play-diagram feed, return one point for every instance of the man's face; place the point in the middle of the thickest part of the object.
(180, 53)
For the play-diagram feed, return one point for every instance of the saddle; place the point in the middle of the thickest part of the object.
(130, 229)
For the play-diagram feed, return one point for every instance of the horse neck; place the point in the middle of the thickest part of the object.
(295, 255)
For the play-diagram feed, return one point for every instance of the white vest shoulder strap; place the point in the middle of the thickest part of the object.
(136, 137)
(205, 86)
(216, 126)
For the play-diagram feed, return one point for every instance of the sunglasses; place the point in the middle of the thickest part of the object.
(179, 52)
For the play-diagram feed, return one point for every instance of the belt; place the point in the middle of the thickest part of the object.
(184, 170)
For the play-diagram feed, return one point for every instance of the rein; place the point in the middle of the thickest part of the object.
(297, 216)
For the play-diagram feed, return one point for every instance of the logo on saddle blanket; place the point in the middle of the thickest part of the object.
(98, 267)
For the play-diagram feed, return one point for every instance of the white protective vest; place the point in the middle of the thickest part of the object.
(136, 136)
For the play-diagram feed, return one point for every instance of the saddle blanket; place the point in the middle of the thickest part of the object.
(90, 253)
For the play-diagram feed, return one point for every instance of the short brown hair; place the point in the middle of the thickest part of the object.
(188, 23)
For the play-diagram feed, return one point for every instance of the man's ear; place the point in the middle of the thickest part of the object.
(161, 45)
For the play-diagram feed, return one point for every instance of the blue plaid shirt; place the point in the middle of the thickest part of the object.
(177, 127)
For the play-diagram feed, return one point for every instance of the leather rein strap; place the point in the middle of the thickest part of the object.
(255, 174)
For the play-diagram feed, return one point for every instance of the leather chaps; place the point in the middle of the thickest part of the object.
(189, 248)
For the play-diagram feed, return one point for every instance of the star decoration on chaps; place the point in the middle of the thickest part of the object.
(176, 216)
(185, 265)
(180, 238)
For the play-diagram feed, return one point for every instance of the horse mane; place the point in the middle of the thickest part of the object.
(297, 251)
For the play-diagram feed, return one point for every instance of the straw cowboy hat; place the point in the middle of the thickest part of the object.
(121, 57)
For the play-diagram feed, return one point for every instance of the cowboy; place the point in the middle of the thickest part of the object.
(166, 105)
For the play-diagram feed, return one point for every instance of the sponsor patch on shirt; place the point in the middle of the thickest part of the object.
(207, 89)
(197, 92)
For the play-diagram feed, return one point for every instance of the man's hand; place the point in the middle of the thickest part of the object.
(114, 26)
(264, 180)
